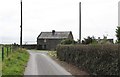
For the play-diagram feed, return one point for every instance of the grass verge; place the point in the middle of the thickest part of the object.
(16, 62)
(52, 54)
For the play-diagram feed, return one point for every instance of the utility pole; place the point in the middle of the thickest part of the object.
(80, 22)
(21, 26)
(119, 13)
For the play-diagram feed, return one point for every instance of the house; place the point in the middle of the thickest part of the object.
(105, 40)
(49, 40)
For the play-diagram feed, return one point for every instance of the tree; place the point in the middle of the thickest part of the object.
(89, 40)
(118, 34)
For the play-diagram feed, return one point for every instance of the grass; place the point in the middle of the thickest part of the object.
(52, 54)
(16, 62)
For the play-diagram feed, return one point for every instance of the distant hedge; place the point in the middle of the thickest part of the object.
(96, 59)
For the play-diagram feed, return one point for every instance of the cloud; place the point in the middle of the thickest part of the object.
(98, 18)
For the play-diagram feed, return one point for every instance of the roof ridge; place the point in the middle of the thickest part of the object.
(58, 34)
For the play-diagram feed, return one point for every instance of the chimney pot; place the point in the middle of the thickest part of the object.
(53, 32)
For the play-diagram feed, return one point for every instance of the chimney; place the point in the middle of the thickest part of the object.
(53, 32)
(98, 38)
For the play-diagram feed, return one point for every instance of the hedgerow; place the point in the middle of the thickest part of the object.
(96, 59)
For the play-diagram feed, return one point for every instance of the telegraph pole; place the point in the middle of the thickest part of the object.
(21, 26)
(118, 21)
(80, 22)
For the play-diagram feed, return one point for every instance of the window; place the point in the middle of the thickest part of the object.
(45, 40)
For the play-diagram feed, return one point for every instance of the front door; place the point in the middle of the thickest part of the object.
(44, 46)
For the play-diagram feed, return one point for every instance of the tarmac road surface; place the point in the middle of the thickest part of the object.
(41, 64)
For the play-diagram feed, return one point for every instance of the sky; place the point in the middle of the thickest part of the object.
(99, 17)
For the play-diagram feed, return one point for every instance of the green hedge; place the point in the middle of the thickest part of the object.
(96, 59)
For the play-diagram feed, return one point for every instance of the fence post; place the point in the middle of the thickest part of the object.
(7, 51)
(2, 53)
(10, 48)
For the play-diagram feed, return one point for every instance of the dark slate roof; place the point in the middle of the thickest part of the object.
(56, 35)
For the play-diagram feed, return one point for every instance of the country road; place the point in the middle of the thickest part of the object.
(41, 64)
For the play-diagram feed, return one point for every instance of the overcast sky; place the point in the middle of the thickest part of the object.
(99, 17)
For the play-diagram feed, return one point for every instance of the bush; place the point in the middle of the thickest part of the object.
(96, 59)
(67, 41)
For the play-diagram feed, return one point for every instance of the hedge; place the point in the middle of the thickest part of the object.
(96, 59)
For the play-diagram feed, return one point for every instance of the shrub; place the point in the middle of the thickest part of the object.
(96, 59)
(67, 41)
